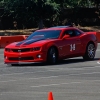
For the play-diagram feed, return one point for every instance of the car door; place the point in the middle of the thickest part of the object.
(73, 43)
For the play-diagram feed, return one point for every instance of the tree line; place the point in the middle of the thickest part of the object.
(34, 13)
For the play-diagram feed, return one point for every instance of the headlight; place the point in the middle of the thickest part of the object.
(7, 49)
(35, 48)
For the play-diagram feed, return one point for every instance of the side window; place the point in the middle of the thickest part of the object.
(77, 33)
(69, 32)
(72, 33)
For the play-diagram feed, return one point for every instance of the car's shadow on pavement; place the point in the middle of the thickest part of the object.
(61, 62)
(71, 61)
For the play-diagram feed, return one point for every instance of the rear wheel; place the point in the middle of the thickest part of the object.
(52, 56)
(90, 52)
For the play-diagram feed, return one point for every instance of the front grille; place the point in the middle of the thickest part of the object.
(21, 50)
(20, 58)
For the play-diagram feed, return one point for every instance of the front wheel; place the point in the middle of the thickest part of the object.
(90, 52)
(52, 56)
(14, 64)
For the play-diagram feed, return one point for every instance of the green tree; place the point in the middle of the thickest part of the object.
(75, 3)
(26, 10)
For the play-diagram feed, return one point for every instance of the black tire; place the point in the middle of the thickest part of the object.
(90, 52)
(14, 64)
(52, 56)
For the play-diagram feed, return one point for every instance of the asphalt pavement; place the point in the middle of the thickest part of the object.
(70, 79)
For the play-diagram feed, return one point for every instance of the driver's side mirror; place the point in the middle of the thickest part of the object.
(66, 36)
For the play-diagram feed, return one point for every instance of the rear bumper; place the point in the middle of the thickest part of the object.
(22, 58)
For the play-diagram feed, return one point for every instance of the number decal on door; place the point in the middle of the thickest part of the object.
(72, 47)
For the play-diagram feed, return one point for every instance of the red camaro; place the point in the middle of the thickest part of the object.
(52, 44)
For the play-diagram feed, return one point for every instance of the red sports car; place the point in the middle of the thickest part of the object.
(52, 44)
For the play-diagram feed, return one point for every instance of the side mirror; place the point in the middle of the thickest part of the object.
(66, 36)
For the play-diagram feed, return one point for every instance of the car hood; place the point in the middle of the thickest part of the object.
(29, 43)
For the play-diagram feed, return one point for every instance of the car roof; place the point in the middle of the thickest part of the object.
(60, 27)
(57, 28)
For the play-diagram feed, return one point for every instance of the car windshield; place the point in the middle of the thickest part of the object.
(48, 34)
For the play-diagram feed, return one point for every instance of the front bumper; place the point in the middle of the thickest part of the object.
(26, 57)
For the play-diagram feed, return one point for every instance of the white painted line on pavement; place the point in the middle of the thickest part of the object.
(47, 85)
(63, 69)
(21, 73)
(23, 92)
(97, 66)
(98, 62)
(48, 69)
(65, 83)
(52, 76)
(8, 81)
(55, 84)
(85, 73)
(98, 50)
(31, 79)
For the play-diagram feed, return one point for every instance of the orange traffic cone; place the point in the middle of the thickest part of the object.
(50, 96)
